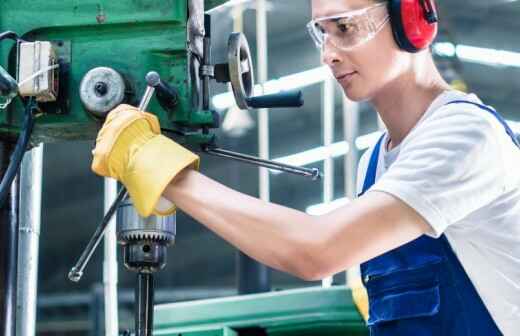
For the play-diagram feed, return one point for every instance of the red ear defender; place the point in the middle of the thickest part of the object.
(414, 23)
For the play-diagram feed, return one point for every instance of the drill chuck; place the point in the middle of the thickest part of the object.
(131, 227)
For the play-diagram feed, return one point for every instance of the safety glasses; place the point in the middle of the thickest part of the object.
(349, 30)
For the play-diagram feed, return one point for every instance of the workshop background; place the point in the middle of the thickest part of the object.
(201, 265)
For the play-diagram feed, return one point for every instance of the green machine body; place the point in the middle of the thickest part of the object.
(126, 38)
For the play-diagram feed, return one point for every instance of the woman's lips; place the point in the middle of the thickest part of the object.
(345, 78)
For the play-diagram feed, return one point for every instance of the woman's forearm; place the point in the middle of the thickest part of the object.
(277, 236)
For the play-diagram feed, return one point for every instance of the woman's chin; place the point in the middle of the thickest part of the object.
(355, 95)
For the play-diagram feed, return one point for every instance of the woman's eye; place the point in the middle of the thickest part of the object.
(345, 27)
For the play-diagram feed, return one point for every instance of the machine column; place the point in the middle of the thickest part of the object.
(29, 239)
(9, 248)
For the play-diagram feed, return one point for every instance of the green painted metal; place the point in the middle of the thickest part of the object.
(302, 312)
(215, 331)
(130, 36)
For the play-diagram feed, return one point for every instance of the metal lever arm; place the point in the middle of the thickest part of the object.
(153, 80)
(76, 272)
(313, 173)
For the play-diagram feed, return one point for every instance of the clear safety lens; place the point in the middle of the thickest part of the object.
(348, 30)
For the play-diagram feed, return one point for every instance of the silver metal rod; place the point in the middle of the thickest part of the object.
(351, 132)
(263, 114)
(110, 264)
(328, 138)
(29, 238)
(144, 298)
(313, 173)
(76, 272)
(145, 101)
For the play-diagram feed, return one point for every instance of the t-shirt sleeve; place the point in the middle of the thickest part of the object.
(449, 166)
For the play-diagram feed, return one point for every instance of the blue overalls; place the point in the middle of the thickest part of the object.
(421, 288)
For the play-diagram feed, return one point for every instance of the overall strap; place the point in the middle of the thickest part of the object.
(370, 178)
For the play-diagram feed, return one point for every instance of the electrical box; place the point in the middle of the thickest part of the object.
(37, 71)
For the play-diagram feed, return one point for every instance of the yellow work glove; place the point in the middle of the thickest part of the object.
(131, 149)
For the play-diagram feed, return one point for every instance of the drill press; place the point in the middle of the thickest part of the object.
(79, 62)
(145, 240)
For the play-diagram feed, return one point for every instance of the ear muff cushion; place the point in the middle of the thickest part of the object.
(412, 32)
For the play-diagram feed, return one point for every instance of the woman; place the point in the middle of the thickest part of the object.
(436, 226)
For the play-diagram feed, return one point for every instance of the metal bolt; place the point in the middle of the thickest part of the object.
(101, 89)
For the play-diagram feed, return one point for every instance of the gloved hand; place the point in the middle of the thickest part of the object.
(131, 149)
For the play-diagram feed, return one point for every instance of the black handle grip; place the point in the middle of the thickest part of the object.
(277, 100)
(167, 95)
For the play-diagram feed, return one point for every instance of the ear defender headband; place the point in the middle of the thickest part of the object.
(414, 23)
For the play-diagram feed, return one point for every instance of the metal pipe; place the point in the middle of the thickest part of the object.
(328, 139)
(351, 132)
(9, 248)
(206, 60)
(29, 240)
(110, 264)
(96, 310)
(252, 276)
(259, 280)
(144, 295)
(263, 114)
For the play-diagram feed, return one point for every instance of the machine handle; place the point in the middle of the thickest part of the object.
(153, 80)
(76, 272)
(167, 96)
(277, 100)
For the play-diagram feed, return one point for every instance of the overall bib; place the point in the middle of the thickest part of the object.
(421, 288)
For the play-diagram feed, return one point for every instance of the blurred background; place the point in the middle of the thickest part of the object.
(478, 50)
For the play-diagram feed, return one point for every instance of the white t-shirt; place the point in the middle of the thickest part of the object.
(460, 170)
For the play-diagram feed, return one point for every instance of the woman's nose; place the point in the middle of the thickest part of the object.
(330, 54)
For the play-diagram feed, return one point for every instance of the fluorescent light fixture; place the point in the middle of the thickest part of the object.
(296, 81)
(486, 56)
(445, 49)
(223, 101)
(322, 209)
(228, 4)
(314, 155)
(321, 153)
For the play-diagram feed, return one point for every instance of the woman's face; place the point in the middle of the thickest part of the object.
(366, 69)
